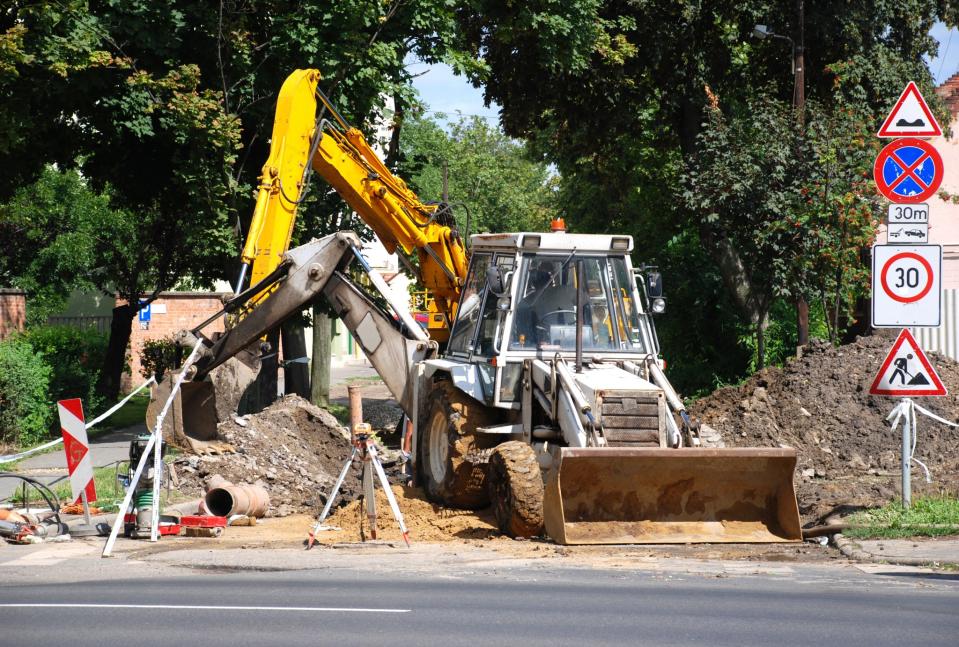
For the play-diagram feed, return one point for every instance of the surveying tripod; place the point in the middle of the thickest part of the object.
(364, 449)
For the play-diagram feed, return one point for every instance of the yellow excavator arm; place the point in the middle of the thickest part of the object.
(343, 157)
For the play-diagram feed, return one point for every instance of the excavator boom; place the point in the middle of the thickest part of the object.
(342, 156)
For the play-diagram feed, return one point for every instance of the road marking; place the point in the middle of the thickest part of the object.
(69, 605)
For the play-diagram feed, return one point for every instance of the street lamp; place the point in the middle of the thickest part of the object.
(762, 32)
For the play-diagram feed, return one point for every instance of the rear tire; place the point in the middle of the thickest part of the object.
(515, 486)
(452, 457)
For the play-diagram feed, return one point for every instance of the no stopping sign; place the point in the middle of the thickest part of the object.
(906, 285)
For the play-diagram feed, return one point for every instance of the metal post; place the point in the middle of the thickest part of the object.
(580, 289)
(355, 392)
(907, 432)
(86, 506)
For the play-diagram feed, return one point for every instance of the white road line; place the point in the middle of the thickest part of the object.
(69, 605)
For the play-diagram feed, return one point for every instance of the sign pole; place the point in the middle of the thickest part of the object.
(86, 507)
(907, 432)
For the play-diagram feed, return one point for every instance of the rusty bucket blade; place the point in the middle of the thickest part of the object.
(192, 415)
(191, 422)
(615, 495)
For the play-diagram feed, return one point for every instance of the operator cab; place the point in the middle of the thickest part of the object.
(520, 301)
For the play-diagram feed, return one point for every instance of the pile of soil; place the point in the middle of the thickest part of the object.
(820, 405)
(293, 448)
(425, 521)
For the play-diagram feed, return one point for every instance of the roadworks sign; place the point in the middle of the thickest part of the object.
(906, 371)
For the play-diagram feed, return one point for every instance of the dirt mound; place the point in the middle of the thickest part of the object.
(820, 404)
(425, 521)
(293, 447)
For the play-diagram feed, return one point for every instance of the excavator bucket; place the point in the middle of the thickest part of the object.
(191, 419)
(615, 495)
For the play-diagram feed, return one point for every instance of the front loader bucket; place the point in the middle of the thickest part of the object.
(616, 495)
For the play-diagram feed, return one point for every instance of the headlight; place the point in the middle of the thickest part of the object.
(659, 305)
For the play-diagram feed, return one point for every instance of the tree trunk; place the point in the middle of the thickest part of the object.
(262, 393)
(296, 377)
(733, 271)
(322, 340)
(761, 342)
(108, 385)
(802, 321)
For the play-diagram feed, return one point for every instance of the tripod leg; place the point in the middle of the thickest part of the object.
(329, 501)
(370, 497)
(375, 459)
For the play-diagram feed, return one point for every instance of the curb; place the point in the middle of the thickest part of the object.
(854, 551)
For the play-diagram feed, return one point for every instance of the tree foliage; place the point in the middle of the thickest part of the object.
(616, 94)
(491, 178)
(25, 412)
(166, 108)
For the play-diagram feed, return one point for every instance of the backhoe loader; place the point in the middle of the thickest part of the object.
(536, 386)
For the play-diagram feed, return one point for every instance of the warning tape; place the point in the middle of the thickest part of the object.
(9, 458)
(907, 407)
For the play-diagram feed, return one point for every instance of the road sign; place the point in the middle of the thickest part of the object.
(910, 117)
(145, 313)
(902, 234)
(906, 285)
(908, 214)
(77, 449)
(908, 170)
(906, 371)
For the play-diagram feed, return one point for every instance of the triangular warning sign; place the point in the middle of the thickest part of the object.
(910, 117)
(906, 371)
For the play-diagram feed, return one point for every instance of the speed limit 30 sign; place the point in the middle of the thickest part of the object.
(906, 285)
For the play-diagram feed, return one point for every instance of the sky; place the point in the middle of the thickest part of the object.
(445, 92)
(947, 62)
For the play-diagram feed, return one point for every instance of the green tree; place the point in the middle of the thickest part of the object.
(746, 177)
(152, 101)
(491, 177)
(615, 94)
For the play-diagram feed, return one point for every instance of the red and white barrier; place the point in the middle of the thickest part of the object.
(77, 449)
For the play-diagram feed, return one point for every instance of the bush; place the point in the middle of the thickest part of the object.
(158, 356)
(25, 410)
(75, 356)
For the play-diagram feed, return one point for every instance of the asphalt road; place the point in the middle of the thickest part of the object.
(522, 607)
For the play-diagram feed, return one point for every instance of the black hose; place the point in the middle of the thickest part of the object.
(41, 488)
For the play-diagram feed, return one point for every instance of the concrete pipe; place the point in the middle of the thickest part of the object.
(225, 501)
(216, 481)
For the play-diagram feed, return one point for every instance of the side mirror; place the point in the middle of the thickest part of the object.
(654, 284)
(496, 282)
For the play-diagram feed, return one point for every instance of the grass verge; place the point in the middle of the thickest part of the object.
(928, 517)
(110, 491)
(132, 413)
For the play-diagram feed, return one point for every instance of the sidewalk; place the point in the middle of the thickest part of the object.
(922, 551)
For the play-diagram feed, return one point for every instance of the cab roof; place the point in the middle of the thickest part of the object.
(552, 241)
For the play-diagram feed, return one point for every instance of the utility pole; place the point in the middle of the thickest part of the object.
(799, 104)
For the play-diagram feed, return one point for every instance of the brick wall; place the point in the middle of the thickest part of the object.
(182, 310)
(13, 311)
